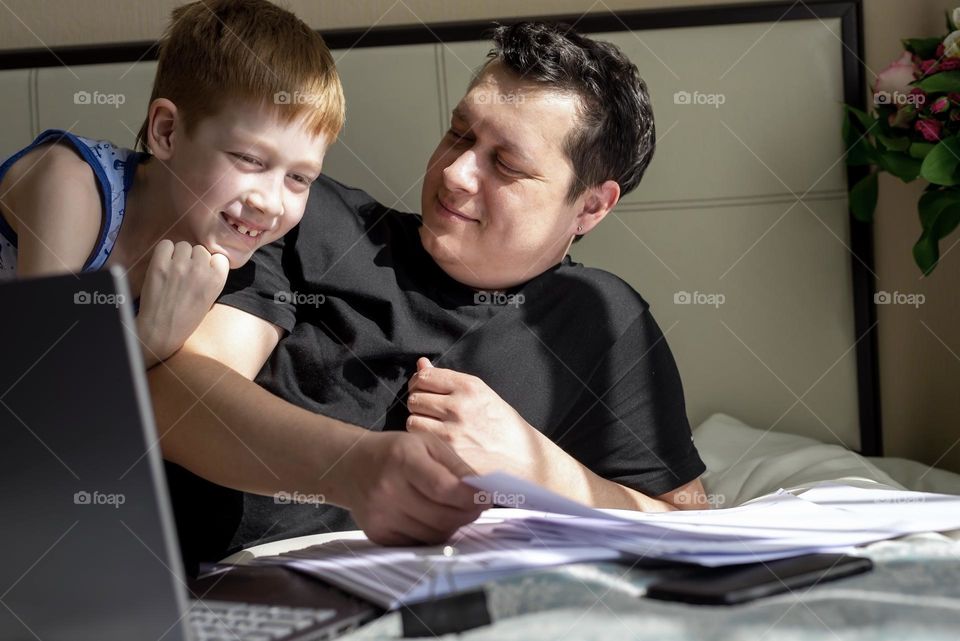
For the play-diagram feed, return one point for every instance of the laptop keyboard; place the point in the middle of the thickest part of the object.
(225, 621)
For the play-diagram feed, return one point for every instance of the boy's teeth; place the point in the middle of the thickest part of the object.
(253, 233)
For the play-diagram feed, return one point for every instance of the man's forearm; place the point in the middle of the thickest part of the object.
(228, 430)
(563, 474)
(566, 475)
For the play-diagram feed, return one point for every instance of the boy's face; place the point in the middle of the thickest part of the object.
(494, 203)
(241, 180)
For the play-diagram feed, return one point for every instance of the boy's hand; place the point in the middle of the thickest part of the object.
(405, 489)
(180, 287)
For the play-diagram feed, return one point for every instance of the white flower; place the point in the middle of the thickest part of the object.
(955, 18)
(951, 44)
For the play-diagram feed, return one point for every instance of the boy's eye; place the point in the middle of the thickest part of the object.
(247, 159)
(303, 180)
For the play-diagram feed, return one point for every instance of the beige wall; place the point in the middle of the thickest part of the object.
(919, 348)
(98, 21)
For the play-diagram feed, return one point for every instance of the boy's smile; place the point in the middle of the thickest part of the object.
(241, 179)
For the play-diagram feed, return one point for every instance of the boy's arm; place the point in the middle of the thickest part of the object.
(52, 202)
(213, 420)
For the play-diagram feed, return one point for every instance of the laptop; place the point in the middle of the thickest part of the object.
(88, 543)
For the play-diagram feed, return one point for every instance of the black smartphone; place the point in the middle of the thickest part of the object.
(743, 583)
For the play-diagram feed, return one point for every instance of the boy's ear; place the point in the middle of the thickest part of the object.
(161, 125)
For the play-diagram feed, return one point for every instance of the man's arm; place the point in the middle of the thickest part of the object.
(216, 422)
(490, 435)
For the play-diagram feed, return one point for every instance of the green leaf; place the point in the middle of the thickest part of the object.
(944, 81)
(863, 198)
(893, 143)
(932, 203)
(862, 153)
(921, 149)
(865, 119)
(926, 253)
(940, 165)
(939, 217)
(900, 165)
(946, 222)
(859, 149)
(923, 47)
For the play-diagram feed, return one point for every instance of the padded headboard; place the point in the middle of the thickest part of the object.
(738, 235)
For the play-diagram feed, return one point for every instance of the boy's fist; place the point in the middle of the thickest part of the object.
(180, 287)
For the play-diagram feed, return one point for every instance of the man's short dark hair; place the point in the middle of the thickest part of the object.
(615, 139)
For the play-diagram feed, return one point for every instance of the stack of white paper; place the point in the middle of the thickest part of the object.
(552, 530)
(394, 576)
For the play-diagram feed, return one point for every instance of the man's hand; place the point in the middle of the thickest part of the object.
(181, 284)
(482, 428)
(406, 489)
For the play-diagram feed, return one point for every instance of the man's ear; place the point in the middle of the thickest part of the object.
(597, 203)
(162, 123)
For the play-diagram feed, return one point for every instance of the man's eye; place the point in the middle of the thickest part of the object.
(508, 168)
(457, 136)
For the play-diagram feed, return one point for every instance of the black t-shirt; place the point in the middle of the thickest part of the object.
(574, 350)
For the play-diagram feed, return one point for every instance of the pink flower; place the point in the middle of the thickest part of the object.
(918, 97)
(929, 129)
(940, 105)
(926, 67)
(949, 64)
(954, 97)
(897, 77)
(939, 53)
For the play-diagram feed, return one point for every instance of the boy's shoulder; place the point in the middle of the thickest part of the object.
(51, 197)
(52, 156)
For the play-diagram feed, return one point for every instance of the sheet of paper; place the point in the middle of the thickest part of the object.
(545, 529)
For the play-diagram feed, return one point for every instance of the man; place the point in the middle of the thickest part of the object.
(471, 328)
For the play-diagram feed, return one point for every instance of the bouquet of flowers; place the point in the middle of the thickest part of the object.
(914, 132)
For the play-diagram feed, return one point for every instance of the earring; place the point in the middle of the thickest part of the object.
(579, 228)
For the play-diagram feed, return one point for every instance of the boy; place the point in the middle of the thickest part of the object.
(226, 162)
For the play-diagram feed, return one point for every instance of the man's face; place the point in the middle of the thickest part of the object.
(241, 180)
(494, 203)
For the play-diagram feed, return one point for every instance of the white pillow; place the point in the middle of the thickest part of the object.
(744, 463)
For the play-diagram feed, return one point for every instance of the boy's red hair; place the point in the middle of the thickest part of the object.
(219, 51)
